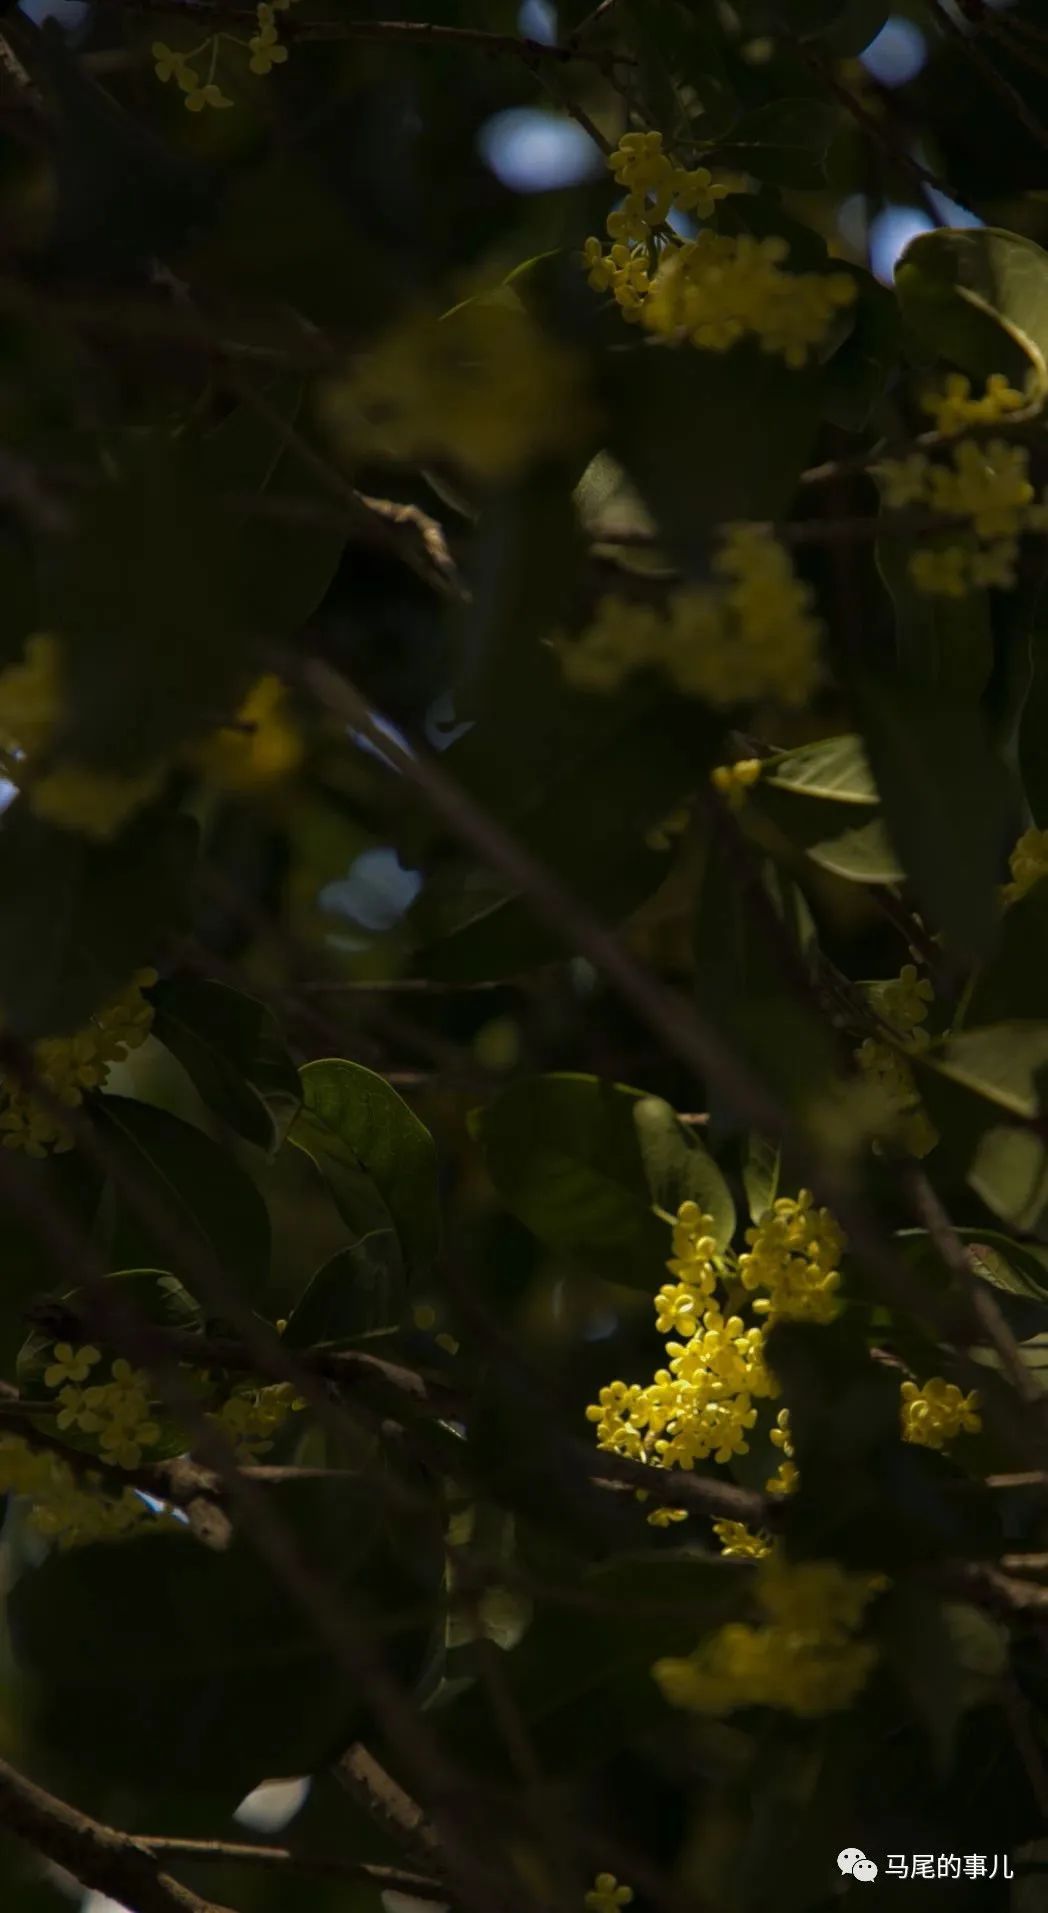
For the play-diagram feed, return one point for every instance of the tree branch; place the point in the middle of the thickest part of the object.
(285, 1859)
(99, 1856)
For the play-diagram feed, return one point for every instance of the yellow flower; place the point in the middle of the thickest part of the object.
(750, 636)
(261, 746)
(607, 1896)
(483, 387)
(70, 1365)
(793, 1253)
(170, 65)
(732, 781)
(717, 289)
(803, 1658)
(1028, 863)
(739, 1543)
(94, 802)
(67, 1066)
(953, 407)
(266, 51)
(203, 96)
(666, 1517)
(936, 1412)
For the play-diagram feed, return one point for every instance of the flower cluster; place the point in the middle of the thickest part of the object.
(251, 1417)
(116, 1413)
(264, 46)
(65, 1508)
(986, 486)
(739, 1543)
(794, 1253)
(68, 1066)
(717, 289)
(903, 1006)
(171, 65)
(654, 186)
(732, 781)
(702, 1405)
(803, 1656)
(937, 1412)
(750, 635)
(787, 1476)
(1028, 863)
(73, 795)
(483, 387)
(954, 409)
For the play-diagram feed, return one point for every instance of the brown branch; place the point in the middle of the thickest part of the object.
(406, 33)
(388, 1879)
(100, 1857)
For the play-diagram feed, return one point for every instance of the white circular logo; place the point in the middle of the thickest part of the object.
(864, 1870)
(847, 1857)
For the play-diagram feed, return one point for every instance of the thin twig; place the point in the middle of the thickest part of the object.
(1004, 89)
(388, 1879)
(930, 1212)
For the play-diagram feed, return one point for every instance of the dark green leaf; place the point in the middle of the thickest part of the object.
(760, 1175)
(159, 1662)
(946, 801)
(584, 1163)
(353, 1121)
(177, 1201)
(708, 437)
(231, 1047)
(786, 142)
(752, 976)
(80, 917)
(359, 1292)
(979, 298)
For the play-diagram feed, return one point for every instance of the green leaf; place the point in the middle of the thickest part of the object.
(582, 1679)
(979, 298)
(786, 142)
(679, 1168)
(709, 437)
(280, 570)
(359, 1292)
(947, 804)
(1013, 985)
(352, 1121)
(158, 1663)
(230, 1046)
(36, 1192)
(583, 1163)
(177, 1201)
(581, 780)
(760, 1175)
(835, 767)
(80, 917)
(949, 1657)
(1002, 1063)
(1013, 1267)
(149, 553)
(1033, 725)
(944, 645)
(514, 603)
(751, 972)
(847, 839)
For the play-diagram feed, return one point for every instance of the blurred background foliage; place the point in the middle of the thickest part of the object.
(184, 299)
